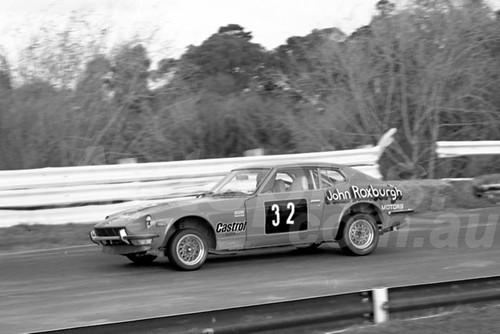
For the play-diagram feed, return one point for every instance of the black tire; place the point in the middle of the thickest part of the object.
(188, 249)
(359, 235)
(141, 258)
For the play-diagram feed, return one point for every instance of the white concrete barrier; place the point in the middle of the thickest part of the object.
(40, 195)
(449, 149)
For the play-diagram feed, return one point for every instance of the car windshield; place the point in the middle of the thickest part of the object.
(241, 181)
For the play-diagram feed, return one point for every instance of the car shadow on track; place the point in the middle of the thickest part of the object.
(264, 256)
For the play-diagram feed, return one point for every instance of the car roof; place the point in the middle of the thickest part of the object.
(290, 164)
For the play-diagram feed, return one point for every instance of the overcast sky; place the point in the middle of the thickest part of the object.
(174, 24)
(171, 25)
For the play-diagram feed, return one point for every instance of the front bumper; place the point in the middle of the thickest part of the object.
(126, 249)
(123, 239)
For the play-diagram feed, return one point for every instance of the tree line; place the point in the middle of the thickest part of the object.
(430, 69)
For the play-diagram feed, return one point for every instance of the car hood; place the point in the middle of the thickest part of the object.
(163, 208)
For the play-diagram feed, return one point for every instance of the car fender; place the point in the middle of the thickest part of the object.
(346, 212)
(187, 221)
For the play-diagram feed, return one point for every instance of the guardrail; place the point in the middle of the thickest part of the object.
(325, 313)
(412, 300)
(49, 191)
(83, 194)
(449, 149)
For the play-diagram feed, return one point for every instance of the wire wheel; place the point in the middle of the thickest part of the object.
(188, 249)
(359, 235)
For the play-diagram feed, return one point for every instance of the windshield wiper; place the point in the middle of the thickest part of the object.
(232, 193)
(206, 193)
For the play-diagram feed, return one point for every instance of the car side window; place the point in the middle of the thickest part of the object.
(330, 176)
(292, 179)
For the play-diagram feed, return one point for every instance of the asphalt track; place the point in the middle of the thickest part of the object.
(78, 286)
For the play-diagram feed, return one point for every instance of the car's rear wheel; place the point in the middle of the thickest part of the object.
(360, 235)
(188, 249)
(141, 258)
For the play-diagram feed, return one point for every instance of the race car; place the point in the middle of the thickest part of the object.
(487, 186)
(302, 205)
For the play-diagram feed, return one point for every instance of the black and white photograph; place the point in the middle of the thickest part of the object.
(229, 166)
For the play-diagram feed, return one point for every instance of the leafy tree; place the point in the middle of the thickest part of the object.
(233, 125)
(235, 30)
(300, 54)
(228, 55)
(5, 100)
(5, 86)
(130, 109)
(130, 73)
(304, 67)
(96, 75)
(385, 8)
(5, 76)
(33, 132)
(428, 71)
(57, 55)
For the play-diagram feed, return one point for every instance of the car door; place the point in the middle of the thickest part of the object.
(287, 210)
(335, 187)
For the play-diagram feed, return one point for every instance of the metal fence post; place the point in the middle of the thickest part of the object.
(380, 302)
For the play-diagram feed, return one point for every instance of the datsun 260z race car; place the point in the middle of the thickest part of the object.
(302, 205)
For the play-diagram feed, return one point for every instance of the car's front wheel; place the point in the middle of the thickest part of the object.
(187, 250)
(360, 235)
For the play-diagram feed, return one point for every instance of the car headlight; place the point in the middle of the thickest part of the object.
(149, 220)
